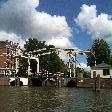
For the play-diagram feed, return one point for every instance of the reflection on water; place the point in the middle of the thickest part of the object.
(39, 99)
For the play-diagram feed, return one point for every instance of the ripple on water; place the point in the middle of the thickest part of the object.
(50, 99)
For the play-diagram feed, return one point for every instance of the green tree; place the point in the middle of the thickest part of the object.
(86, 74)
(110, 61)
(50, 62)
(23, 66)
(33, 44)
(100, 52)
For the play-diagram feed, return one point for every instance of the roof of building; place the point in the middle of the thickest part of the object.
(2, 44)
(6, 43)
(102, 65)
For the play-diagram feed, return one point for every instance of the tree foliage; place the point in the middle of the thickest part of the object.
(33, 44)
(100, 52)
(23, 66)
(49, 62)
(52, 63)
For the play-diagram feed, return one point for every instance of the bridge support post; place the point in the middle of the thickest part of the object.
(17, 81)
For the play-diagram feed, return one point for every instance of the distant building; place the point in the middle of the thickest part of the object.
(103, 69)
(8, 51)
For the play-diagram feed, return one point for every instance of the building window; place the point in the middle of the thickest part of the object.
(106, 72)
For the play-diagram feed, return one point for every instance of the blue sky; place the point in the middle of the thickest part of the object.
(70, 9)
(63, 23)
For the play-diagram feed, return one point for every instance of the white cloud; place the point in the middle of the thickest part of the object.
(63, 56)
(21, 18)
(8, 36)
(97, 25)
(60, 42)
(84, 66)
(11, 37)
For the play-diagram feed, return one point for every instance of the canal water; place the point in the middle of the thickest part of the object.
(50, 99)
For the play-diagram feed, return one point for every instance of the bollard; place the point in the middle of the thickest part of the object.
(18, 81)
(15, 81)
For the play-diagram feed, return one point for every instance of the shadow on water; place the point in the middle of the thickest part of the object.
(14, 83)
(71, 83)
(36, 82)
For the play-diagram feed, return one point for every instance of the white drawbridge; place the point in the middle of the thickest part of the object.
(71, 53)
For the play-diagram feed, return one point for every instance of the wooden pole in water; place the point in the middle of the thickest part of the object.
(94, 82)
(98, 80)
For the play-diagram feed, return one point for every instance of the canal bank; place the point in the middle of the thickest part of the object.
(57, 82)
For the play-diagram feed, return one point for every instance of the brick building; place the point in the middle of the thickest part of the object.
(8, 50)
